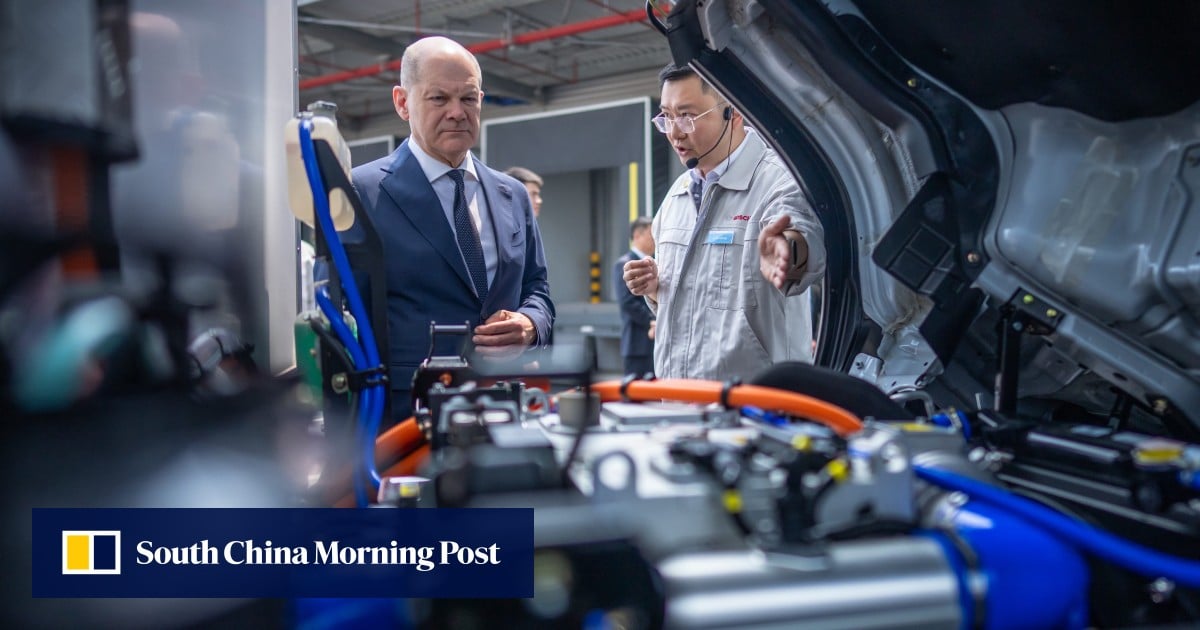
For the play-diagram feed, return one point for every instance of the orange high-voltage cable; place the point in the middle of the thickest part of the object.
(697, 391)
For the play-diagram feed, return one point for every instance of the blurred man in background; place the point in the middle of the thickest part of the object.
(637, 345)
(533, 184)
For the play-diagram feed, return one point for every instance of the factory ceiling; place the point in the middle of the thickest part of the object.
(533, 53)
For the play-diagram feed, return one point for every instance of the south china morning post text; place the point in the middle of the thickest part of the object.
(283, 553)
(238, 552)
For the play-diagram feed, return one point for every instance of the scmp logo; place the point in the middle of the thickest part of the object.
(91, 553)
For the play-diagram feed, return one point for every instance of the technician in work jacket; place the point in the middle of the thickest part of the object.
(719, 318)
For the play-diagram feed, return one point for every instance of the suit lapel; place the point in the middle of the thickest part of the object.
(499, 199)
(413, 195)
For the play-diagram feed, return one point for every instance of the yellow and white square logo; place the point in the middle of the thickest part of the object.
(91, 552)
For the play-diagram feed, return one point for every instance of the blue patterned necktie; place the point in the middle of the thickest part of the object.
(468, 238)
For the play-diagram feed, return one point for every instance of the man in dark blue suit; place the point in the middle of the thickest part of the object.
(637, 346)
(459, 240)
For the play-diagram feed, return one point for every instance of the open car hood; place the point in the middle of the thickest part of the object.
(1009, 191)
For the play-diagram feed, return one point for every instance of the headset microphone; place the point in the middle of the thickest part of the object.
(728, 116)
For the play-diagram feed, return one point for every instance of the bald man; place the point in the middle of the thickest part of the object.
(460, 243)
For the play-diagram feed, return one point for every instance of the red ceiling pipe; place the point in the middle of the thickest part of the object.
(554, 32)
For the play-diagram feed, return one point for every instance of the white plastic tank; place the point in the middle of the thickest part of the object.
(324, 127)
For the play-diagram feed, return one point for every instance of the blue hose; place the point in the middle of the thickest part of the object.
(371, 402)
(1190, 479)
(357, 358)
(765, 417)
(1141, 560)
(340, 261)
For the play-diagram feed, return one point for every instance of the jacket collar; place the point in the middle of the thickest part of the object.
(741, 168)
(409, 188)
(413, 196)
(435, 168)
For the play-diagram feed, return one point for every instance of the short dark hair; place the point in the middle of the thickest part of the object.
(524, 175)
(638, 225)
(672, 72)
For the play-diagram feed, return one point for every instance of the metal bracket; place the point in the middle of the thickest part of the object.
(1023, 314)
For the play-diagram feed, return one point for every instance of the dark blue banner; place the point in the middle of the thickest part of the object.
(283, 553)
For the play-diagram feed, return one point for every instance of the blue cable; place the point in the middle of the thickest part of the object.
(1141, 560)
(371, 405)
(766, 417)
(339, 328)
(1190, 479)
(371, 421)
(943, 420)
(965, 422)
(357, 358)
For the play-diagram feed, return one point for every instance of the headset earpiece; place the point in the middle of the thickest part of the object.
(727, 114)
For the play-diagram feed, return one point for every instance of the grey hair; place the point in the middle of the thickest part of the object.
(410, 62)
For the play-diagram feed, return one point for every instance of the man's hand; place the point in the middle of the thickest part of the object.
(641, 276)
(775, 256)
(653, 327)
(504, 335)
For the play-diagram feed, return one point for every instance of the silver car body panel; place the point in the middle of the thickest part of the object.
(1098, 219)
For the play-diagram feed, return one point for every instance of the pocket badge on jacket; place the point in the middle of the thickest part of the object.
(719, 237)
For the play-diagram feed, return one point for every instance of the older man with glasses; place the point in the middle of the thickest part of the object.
(736, 245)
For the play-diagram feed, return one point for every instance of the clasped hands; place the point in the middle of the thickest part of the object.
(504, 335)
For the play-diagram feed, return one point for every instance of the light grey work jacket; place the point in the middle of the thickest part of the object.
(718, 318)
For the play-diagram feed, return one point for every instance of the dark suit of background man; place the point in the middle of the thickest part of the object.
(637, 347)
(455, 251)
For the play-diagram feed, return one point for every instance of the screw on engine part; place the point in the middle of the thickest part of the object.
(1149, 497)
(729, 473)
(339, 383)
(976, 455)
(1161, 590)
(893, 457)
(401, 492)
(994, 460)
(1027, 299)
(811, 481)
(957, 499)
(1018, 326)
(1160, 405)
(974, 258)
(912, 82)
(1051, 313)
